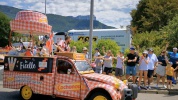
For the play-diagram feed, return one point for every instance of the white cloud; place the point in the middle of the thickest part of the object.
(3, 3)
(110, 12)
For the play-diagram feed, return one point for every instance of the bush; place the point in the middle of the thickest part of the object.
(80, 44)
(109, 45)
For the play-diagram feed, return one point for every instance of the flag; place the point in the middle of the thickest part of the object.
(49, 43)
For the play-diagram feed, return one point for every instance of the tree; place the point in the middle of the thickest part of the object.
(152, 15)
(4, 29)
(108, 44)
(172, 32)
(154, 39)
(80, 44)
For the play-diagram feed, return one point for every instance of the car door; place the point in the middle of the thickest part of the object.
(67, 80)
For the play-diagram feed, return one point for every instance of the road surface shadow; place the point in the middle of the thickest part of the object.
(14, 95)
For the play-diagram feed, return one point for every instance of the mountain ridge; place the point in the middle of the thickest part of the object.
(59, 23)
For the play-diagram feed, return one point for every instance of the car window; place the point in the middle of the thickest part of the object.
(63, 67)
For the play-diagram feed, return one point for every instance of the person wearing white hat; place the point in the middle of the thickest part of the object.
(85, 51)
(143, 68)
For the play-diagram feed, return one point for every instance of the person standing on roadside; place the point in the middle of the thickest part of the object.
(119, 65)
(174, 58)
(85, 51)
(169, 73)
(151, 66)
(108, 63)
(130, 63)
(96, 53)
(98, 62)
(160, 70)
(143, 68)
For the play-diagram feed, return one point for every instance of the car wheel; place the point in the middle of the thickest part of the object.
(26, 93)
(100, 96)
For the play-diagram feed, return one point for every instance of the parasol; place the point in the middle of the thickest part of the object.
(30, 22)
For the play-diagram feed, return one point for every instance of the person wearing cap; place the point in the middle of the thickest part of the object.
(131, 64)
(85, 51)
(143, 68)
(96, 53)
(151, 65)
(160, 70)
(170, 74)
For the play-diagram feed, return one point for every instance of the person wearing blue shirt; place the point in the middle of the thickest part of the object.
(174, 58)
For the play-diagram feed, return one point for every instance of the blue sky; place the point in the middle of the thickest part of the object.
(110, 12)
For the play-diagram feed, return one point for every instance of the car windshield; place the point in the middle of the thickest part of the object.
(83, 66)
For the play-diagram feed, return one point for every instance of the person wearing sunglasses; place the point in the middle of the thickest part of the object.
(160, 70)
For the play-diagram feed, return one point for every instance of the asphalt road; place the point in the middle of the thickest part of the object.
(145, 96)
(11, 94)
(7, 94)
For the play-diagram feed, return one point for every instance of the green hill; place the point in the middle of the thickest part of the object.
(58, 22)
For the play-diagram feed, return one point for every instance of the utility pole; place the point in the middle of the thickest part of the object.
(91, 29)
(45, 7)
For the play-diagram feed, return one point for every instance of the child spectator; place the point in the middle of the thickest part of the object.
(108, 63)
(96, 53)
(119, 65)
(170, 74)
(98, 63)
(93, 65)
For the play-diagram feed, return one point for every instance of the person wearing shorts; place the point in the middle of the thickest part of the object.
(108, 63)
(119, 66)
(130, 63)
(143, 68)
(151, 66)
(169, 73)
(98, 62)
